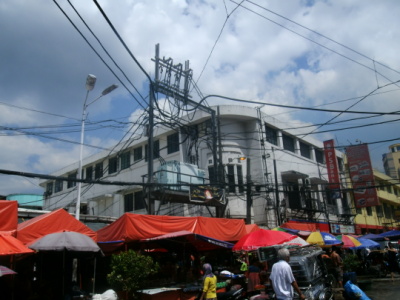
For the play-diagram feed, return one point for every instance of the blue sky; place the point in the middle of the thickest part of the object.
(327, 54)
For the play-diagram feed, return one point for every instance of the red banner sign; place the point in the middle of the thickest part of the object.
(331, 164)
(362, 176)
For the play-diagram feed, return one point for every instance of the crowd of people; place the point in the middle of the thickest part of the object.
(280, 276)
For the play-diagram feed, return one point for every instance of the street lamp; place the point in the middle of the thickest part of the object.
(90, 83)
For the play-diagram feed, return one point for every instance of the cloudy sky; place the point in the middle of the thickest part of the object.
(334, 55)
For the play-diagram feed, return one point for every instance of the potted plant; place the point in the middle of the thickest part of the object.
(129, 271)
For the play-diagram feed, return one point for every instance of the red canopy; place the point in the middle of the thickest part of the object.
(9, 245)
(262, 238)
(8, 215)
(133, 227)
(55, 221)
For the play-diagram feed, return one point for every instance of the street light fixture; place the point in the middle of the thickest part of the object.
(90, 83)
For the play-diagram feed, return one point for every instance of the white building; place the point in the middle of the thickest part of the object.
(299, 166)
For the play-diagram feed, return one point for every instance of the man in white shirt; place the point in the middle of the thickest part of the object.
(282, 278)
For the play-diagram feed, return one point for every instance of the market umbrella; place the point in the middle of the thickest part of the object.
(67, 241)
(367, 243)
(348, 241)
(6, 271)
(262, 238)
(322, 239)
(297, 241)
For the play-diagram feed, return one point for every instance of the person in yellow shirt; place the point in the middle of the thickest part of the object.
(209, 284)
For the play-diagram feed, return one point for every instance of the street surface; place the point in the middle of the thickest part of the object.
(380, 289)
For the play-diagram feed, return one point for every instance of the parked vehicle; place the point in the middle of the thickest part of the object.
(308, 269)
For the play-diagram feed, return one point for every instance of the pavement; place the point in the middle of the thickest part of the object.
(375, 288)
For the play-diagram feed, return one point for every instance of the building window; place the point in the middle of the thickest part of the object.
(271, 135)
(319, 156)
(340, 164)
(240, 178)
(231, 179)
(379, 211)
(71, 183)
(156, 150)
(288, 142)
(112, 165)
(358, 210)
(49, 188)
(369, 210)
(305, 150)
(139, 200)
(89, 173)
(58, 187)
(137, 153)
(98, 170)
(173, 143)
(125, 160)
(128, 202)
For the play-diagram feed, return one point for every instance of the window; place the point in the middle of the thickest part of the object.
(58, 186)
(49, 188)
(112, 165)
(369, 210)
(139, 200)
(70, 182)
(358, 210)
(125, 160)
(240, 178)
(156, 150)
(173, 143)
(128, 202)
(379, 211)
(340, 164)
(305, 150)
(89, 173)
(271, 135)
(319, 156)
(231, 179)
(288, 142)
(387, 211)
(98, 170)
(137, 153)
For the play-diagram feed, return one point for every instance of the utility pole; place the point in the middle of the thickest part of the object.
(248, 192)
(172, 89)
(278, 217)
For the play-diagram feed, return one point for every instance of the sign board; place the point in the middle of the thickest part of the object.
(342, 229)
(362, 176)
(332, 165)
(206, 193)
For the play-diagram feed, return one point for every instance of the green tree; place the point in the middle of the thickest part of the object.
(129, 271)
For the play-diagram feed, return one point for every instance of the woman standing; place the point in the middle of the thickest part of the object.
(209, 283)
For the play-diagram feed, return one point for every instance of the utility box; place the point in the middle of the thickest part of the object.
(180, 175)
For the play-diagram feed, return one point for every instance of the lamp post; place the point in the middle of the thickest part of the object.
(90, 83)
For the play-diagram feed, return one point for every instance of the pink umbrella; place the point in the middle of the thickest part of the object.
(262, 238)
(6, 271)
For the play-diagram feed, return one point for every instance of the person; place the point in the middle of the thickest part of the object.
(391, 258)
(338, 264)
(282, 279)
(253, 277)
(209, 283)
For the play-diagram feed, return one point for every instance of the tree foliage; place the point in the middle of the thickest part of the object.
(129, 271)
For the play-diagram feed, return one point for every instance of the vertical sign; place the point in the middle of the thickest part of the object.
(331, 165)
(362, 176)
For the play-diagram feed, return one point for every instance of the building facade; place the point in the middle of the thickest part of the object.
(391, 161)
(265, 173)
(383, 217)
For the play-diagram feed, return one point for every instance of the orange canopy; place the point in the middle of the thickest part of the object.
(9, 245)
(55, 221)
(133, 227)
(8, 215)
